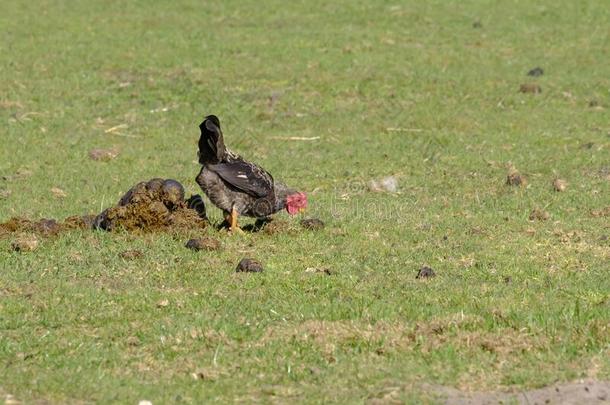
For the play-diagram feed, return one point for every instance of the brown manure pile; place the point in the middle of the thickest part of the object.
(157, 204)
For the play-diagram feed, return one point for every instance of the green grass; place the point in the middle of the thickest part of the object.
(80, 324)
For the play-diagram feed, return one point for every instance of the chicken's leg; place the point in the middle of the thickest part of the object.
(233, 227)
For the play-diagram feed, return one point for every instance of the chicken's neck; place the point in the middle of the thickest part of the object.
(281, 192)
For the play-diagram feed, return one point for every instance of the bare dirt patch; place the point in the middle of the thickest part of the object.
(581, 392)
(461, 331)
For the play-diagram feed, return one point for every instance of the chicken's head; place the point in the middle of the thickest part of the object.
(296, 203)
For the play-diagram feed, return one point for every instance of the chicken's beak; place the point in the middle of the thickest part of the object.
(301, 210)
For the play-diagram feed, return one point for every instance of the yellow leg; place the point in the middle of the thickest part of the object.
(234, 228)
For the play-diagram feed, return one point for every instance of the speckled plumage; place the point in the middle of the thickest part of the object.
(231, 182)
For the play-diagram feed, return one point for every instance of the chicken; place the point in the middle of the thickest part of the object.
(239, 187)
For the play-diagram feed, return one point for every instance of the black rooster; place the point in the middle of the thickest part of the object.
(239, 187)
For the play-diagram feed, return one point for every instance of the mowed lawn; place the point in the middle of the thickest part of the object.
(327, 96)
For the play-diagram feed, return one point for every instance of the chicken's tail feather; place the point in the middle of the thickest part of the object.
(211, 143)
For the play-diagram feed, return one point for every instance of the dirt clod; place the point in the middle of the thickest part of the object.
(531, 88)
(25, 243)
(538, 214)
(313, 224)
(208, 244)
(131, 254)
(104, 155)
(559, 185)
(425, 272)
(249, 266)
(514, 178)
(535, 72)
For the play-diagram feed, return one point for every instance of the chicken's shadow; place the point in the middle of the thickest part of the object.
(255, 227)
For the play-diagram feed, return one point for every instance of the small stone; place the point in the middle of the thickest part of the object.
(249, 266)
(25, 243)
(131, 254)
(99, 154)
(535, 72)
(313, 224)
(539, 215)
(514, 178)
(162, 303)
(477, 24)
(560, 185)
(208, 244)
(145, 402)
(425, 272)
(531, 88)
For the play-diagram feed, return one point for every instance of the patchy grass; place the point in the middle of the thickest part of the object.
(427, 92)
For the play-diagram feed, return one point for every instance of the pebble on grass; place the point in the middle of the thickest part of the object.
(531, 88)
(208, 244)
(247, 265)
(535, 72)
(313, 224)
(514, 178)
(425, 272)
(539, 215)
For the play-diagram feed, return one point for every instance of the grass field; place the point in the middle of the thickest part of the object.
(427, 92)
